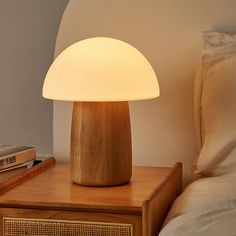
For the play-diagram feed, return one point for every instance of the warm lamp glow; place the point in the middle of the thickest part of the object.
(100, 69)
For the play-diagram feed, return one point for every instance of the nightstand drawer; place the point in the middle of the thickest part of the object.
(22, 222)
(24, 226)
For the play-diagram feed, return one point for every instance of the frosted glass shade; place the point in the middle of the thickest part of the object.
(100, 69)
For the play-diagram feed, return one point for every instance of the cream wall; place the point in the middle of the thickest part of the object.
(28, 30)
(168, 32)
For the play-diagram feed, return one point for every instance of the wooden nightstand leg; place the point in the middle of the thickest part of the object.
(156, 207)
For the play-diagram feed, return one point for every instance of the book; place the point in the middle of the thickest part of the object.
(25, 164)
(13, 178)
(15, 155)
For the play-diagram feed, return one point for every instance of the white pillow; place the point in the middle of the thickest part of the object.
(218, 106)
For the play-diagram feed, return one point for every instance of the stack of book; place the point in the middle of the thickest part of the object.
(18, 164)
(12, 157)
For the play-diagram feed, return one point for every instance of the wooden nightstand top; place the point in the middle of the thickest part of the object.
(53, 189)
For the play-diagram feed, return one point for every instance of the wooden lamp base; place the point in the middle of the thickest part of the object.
(101, 143)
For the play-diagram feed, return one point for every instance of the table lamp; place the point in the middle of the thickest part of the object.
(100, 75)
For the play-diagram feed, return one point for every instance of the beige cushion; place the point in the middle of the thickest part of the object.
(218, 106)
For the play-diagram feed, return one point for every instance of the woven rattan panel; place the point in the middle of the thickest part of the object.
(31, 227)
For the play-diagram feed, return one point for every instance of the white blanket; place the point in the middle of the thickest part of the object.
(207, 207)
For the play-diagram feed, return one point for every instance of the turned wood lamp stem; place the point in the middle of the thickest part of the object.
(101, 143)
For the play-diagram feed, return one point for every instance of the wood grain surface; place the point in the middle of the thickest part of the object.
(26, 174)
(101, 143)
(53, 189)
(157, 205)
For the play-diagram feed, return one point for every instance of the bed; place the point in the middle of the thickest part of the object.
(208, 205)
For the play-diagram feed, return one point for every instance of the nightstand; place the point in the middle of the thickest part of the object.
(49, 204)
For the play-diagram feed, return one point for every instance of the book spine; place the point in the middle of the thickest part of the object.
(17, 158)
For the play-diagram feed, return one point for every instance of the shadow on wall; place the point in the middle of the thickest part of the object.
(168, 33)
(28, 32)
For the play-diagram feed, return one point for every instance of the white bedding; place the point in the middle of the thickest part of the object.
(206, 207)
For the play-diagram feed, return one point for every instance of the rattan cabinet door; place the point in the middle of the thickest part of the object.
(35, 222)
(43, 227)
